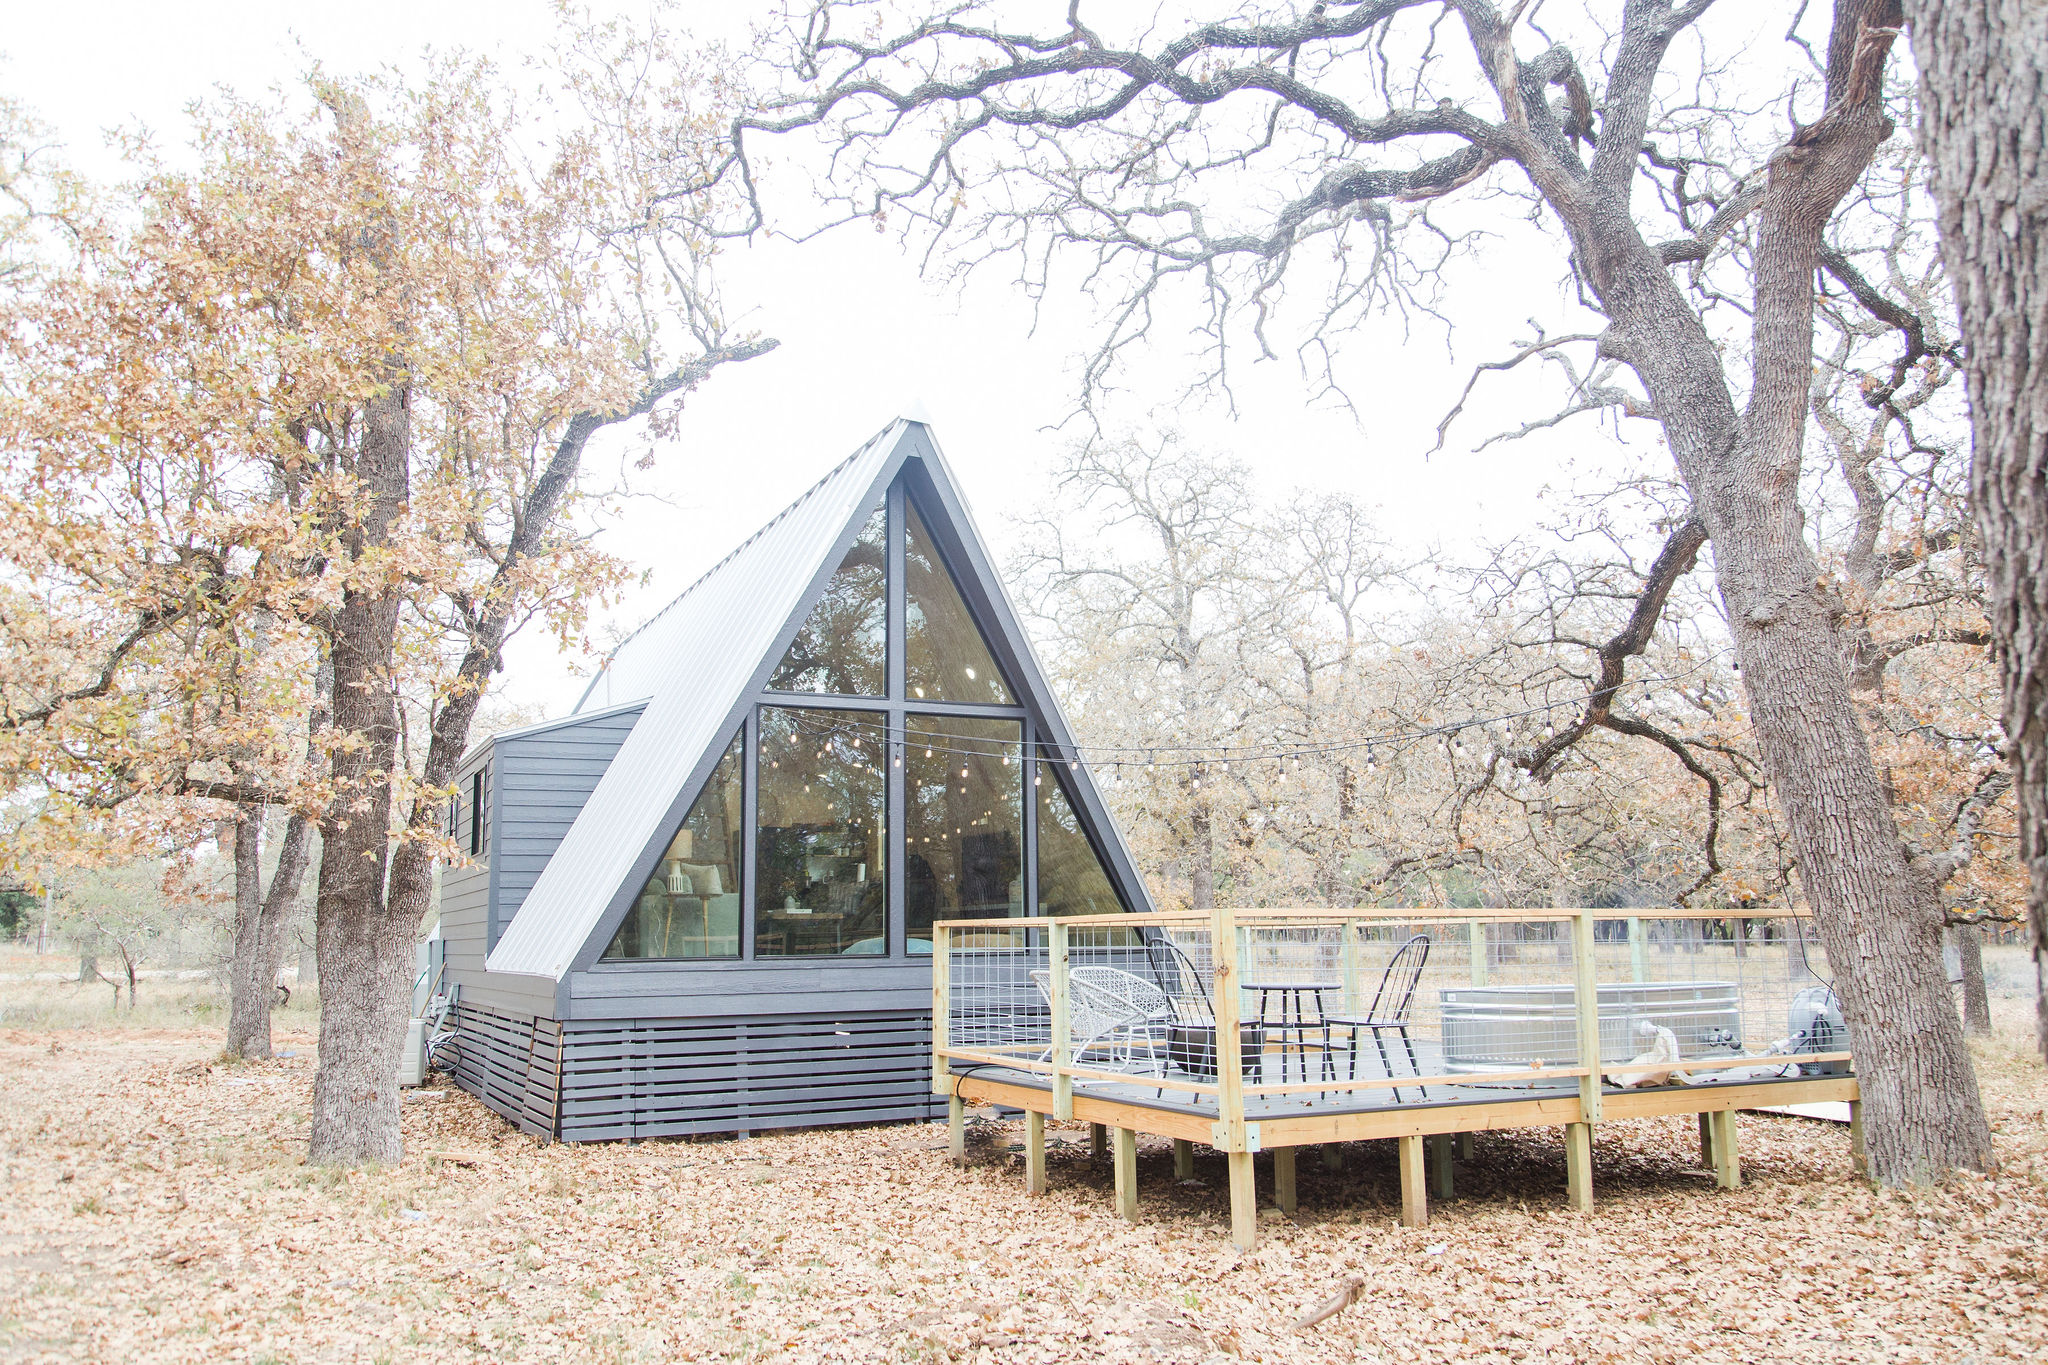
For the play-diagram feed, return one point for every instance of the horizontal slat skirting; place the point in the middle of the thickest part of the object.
(679, 1077)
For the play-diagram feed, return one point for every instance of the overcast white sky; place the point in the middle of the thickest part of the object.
(862, 337)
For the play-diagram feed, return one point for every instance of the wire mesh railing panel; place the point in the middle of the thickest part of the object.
(1740, 998)
(998, 986)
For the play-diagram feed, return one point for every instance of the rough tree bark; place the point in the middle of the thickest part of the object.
(260, 927)
(364, 939)
(1984, 127)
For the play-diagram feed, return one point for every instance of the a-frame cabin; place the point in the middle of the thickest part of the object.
(701, 902)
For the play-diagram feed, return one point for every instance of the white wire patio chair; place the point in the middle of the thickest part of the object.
(1111, 1010)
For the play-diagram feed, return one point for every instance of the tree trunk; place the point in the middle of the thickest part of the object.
(1201, 859)
(260, 923)
(1881, 932)
(364, 941)
(1984, 127)
(1969, 941)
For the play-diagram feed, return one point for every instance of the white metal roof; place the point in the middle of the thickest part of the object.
(693, 662)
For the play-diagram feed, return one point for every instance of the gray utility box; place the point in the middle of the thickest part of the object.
(1507, 1028)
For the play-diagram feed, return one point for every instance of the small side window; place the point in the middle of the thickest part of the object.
(480, 811)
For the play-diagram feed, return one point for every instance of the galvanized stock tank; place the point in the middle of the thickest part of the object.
(1512, 1028)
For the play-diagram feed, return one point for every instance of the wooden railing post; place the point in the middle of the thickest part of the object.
(1586, 995)
(942, 1004)
(1062, 1035)
(1229, 1031)
(1477, 929)
(1230, 1130)
(1638, 965)
(1349, 946)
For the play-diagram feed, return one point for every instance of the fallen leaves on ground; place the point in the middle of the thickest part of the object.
(158, 1209)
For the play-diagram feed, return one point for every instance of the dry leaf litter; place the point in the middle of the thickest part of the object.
(159, 1209)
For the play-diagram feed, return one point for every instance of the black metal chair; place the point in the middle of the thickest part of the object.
(1388, 1012)
(1191, 1034)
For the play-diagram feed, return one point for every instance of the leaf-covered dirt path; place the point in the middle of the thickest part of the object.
(156, 1208)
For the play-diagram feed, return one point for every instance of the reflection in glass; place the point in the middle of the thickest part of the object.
(963, 821)
(820, 880)
(690, 907)
(945, 656)
(1071, 879)
(844, 646)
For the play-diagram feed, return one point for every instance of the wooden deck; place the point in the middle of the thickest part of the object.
(1556, 1046)
(1426, 1129)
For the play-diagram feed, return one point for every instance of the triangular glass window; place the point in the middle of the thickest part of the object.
(1071, 879)
(690, 907)
(843, 649)
(945, 656)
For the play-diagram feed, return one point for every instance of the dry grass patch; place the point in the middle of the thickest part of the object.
(158, 1209)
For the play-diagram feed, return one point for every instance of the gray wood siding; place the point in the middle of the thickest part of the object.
(669, 990)
(540, 780)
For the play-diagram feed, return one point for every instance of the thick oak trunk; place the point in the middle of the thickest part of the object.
(1881, 931)
(1984, 127)
(365, 942)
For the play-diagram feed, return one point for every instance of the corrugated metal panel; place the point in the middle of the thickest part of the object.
(694, 662)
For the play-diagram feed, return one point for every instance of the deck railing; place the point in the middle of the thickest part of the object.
(1512, 1004)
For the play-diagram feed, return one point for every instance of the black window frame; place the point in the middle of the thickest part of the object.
(890, 712)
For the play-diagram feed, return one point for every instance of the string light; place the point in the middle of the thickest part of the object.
(1448, 735)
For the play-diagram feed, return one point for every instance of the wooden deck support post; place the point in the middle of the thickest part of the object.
(1578, 1165)
(1859, 1155)
(1034, 1152)
(1127, 1174)
(1183, 1159)
(1578, 1137)
(1244, 1202)
(1098, 1142)
(1333, 1157)
(1463, 1146)
(1414, 1188)
(1727, 1157)
(1283, 1179)
(1440, 1166)
(956, 1129)
(1706, 1139)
